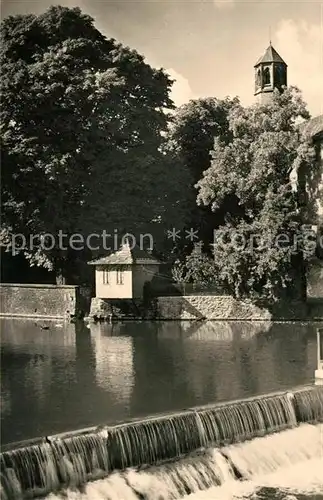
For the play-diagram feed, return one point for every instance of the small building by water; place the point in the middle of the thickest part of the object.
(124, 273)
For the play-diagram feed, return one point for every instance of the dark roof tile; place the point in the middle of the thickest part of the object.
(126, 256)
(271, 55)
(313, 127)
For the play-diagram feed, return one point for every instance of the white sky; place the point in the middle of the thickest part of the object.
(210, 46)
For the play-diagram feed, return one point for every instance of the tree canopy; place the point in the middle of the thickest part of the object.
(88, 145)
(194, 127)
(258, 247)
(81, 132)
(190, 138)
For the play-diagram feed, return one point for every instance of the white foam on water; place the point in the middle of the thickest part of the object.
(303, 478)
(291, 461)
(112, 488)
(266, 455)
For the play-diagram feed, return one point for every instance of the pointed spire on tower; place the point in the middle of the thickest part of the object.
(270, 56)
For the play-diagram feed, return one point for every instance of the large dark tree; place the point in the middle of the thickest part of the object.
(81, 134)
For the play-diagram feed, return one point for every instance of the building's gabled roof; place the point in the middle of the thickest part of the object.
(125, 255)
(270, 56)
(313, 127)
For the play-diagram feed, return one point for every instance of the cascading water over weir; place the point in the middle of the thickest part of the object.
(191, 450)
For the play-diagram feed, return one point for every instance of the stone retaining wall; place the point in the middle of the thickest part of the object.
(315, 309)
(213, 307)
(38, 301)
(199, 307)
(315, 280)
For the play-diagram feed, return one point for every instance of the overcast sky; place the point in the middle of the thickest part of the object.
(210, 47)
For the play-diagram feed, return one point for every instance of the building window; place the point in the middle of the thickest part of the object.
(120, 276)
(280, 76)
(258, 79)
(105, 277)
(266, 76)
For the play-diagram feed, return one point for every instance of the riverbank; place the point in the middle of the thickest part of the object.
(204, 307)
(66, 302)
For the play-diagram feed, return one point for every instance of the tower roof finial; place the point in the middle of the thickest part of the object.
(270, 56)
(269, 35)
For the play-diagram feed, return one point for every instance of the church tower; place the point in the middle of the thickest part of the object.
(270, 73)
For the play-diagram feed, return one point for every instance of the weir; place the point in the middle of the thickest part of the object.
(70, 461)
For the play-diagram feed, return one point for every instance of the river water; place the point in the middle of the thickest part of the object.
(71, 376)
(57, 377)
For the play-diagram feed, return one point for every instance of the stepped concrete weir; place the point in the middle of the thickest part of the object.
(71, 460)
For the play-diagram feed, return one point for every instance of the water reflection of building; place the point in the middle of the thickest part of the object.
(114, 362)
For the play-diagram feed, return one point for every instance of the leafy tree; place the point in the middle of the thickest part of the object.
(191, 136)
(197, 268)
(194, 128)
(81, 124)
(258, 252)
